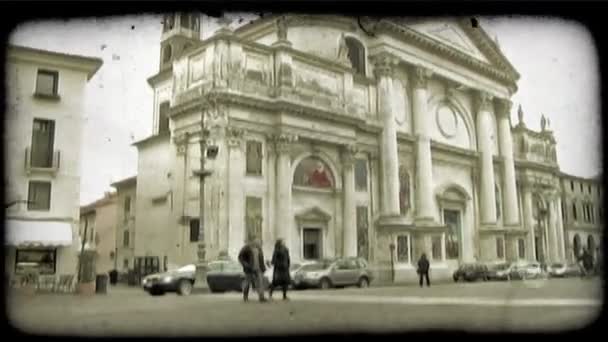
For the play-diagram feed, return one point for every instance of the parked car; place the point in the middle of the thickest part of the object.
(179, 280)
(526, 270)
(471, 272)
(330, 273)
(293, 269)
(564, 270)
(499, 271)
(227, 275)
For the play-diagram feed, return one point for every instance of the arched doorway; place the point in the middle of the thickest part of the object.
(576, 246)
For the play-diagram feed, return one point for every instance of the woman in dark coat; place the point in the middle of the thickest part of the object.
(280, 261)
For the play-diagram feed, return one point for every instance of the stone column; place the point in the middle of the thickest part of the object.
(561, 243)
(509, 190)
(349, 221)
(284, 217)
(487, 196)
(389, 156)
(236, 171)
(529, 223)
(424, 164)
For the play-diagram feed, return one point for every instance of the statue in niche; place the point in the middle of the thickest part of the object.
(404, 190)
(343, 51)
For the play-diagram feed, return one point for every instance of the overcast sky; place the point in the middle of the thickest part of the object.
(557, 61)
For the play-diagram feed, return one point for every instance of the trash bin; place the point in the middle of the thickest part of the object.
(113, 277)
(101, 284)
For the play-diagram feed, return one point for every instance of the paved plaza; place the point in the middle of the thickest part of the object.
(542, 305)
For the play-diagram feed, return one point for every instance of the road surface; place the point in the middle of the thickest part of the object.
(532, 306)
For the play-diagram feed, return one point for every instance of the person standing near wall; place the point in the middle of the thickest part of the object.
(423, 269)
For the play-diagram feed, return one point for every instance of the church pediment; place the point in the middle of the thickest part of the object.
(451, 34)
(313, 214)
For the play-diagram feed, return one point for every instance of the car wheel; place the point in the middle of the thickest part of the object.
(363, 283)
(184, 288)
(325, 284)
(455, 279)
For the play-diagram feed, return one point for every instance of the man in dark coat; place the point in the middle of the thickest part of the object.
(423, 269)
(281, 263)
(251, 258)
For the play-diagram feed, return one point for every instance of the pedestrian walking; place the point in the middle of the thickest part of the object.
(251, 258)
(281, 262)
(423, 269)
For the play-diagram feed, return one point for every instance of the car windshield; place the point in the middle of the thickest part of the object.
(501, 267)
(557, 265)
(187, 268)
(294, 266)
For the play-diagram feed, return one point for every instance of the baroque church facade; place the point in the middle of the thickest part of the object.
(383, 145)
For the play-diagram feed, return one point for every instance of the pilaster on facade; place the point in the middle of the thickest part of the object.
(284, 218)
(349, 222)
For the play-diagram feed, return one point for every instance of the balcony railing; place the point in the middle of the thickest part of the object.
(273, 73)
(51, 165)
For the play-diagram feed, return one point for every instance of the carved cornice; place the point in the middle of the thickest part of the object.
(420, 76)
(483, 101)
(503, 107)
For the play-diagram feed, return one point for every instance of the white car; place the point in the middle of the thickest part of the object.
(293, 269)
(526, 270)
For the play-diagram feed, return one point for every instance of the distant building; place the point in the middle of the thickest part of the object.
(42, 139)
(343, 143)
(582, 214)
(100, 219)
(125, 222)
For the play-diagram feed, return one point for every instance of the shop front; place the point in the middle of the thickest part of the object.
(44, 248)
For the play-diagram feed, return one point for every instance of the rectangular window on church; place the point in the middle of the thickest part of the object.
(521, 248)
(254, 158)
(403, 248)
(362, 233)
(436, 247)
(500, 247)
(253, 218)
(163, 118)
(361, 174)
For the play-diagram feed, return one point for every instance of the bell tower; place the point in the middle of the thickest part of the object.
(181, 32)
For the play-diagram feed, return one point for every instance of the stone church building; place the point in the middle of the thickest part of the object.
(381, 139)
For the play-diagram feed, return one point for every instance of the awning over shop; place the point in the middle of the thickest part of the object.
(21, 233)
